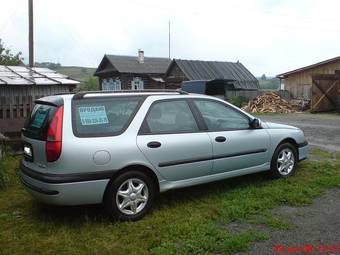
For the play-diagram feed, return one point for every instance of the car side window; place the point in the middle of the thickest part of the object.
(219, 117)
(172, 116)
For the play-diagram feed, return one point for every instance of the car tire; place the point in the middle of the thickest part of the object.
(129, 196)
(284, 161)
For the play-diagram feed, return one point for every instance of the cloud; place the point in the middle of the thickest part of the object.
(267, 36)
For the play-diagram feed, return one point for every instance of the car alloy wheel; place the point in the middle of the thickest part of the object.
(132, 196)
(285, 161)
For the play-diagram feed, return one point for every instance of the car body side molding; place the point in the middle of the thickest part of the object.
(194, 160)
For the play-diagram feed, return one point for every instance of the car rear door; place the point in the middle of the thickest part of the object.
(236, 145)
(172, 140)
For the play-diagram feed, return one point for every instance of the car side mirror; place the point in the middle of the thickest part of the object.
(255, 123)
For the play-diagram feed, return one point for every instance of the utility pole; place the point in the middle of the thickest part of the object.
(169, 40)
(30, 33)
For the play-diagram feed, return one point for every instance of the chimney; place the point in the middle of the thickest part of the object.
(140, 56)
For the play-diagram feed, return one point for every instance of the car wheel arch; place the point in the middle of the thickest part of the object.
(291, 141)
(146, 170)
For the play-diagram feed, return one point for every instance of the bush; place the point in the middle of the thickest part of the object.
(238, 100)
(89, 84)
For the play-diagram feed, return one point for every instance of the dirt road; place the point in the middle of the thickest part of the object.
(321, 130)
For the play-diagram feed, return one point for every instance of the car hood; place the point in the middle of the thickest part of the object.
(272, 125)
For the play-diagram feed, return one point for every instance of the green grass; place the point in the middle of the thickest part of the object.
(7, 173)
(187, 221)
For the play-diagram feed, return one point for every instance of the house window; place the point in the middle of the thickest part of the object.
(137, 84)
(111, 84)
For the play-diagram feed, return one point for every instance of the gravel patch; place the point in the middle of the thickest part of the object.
(315, 227)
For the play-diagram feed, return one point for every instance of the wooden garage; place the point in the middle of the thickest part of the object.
(318, 82)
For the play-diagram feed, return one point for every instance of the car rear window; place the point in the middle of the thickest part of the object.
(103, 117)
(37, 124)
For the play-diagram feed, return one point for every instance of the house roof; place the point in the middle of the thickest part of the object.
(284, 75)
(130, 64)
(210, 70)
(21, 75)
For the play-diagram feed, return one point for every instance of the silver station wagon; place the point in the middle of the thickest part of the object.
(123, 148)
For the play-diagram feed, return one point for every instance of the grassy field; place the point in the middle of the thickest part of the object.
(187, 221)
(76, 72)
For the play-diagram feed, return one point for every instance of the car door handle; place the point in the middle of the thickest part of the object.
(220, 139)
(154, 144)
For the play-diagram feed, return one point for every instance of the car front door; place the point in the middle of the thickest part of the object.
(172, 140)
(236, 145)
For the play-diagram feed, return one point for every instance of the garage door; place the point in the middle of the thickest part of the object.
(324, 93)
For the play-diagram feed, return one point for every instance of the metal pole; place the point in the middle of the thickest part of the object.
(169, 39)
(30, 33)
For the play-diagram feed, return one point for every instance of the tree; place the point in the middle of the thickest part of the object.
(263, 77)
(89, 84)
(8, 58)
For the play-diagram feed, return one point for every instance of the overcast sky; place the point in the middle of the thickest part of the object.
(267, 36)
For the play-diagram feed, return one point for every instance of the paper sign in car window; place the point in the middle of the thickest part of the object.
(39, 118)
(93, 115)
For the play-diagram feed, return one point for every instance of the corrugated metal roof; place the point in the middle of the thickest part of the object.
(20, 75)
(284, 75)
(130, 64)
(210, 70)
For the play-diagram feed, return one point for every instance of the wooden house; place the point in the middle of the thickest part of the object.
(20, 86)
(241, 82)
(131, 72)
(318, 82)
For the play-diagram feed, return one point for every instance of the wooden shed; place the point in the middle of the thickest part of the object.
(20, 86)
(317, 82)
(117, 72)
(241, 82)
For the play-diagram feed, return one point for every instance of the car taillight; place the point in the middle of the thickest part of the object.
(54, 136)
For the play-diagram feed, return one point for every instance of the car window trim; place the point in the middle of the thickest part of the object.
(144, 129)
(225, 105)
(106, 134)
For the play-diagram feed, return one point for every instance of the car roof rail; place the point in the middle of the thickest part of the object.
(64, 93)
(81, 94)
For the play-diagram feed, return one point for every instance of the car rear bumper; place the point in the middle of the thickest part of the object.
(303, 151)
(55, 191)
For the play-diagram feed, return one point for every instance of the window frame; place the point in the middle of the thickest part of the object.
(145, 130)
(74, 103)
(226, 106)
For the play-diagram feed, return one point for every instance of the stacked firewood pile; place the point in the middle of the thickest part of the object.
(269, 102)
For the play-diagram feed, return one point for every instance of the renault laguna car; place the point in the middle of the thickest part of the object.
(123, 148)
